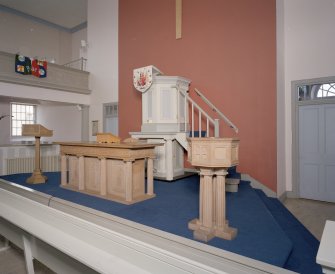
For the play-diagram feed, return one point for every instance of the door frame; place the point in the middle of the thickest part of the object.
(295, 125)
(105, 116)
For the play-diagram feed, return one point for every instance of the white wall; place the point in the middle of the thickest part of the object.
(32, 39)
(308, 38)
(65, 121)
(29, 92)
(4, 123)
(77, 52)
(102, 36)
(61, 118)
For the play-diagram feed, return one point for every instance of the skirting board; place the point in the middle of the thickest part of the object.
(253, 182)
(256, 184)
(287, 194)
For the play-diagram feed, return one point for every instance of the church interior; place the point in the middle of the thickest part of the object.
(171, 136)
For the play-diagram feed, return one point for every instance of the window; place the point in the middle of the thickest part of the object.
(316, 91)
(21, 114)
(326, 90)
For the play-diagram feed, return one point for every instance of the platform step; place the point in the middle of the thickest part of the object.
(305, 246)
(259, 235)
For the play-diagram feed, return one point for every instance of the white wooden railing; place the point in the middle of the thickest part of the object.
(194, 107)
(77, 64)
(215, 109)
(189, 102)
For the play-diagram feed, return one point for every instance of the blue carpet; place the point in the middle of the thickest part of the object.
(232, 173)
(305, 245)
(259, 236)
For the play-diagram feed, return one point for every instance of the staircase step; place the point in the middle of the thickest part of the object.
(232, 184)
(196, 133)
(256, 226)
(232, 180)
(305, 245)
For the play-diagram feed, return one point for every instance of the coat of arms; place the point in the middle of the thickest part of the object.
(142, 77)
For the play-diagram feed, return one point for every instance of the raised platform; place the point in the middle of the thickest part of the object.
(260, 237)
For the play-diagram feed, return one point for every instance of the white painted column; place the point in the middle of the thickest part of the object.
(169, 159)
(28, 255)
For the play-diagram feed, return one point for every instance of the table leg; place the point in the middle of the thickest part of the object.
(81, 172)
(150, 176)
(63, 170)
(129, 181)
(103, 176)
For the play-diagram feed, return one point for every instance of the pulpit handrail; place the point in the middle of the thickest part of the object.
(215, 109)
(214, 122)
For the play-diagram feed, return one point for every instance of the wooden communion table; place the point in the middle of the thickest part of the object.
(111, 171)
(212, 156)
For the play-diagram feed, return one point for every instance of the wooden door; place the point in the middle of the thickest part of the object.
(317, 152)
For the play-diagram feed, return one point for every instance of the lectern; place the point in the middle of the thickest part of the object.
(38, 131)
(212, 156)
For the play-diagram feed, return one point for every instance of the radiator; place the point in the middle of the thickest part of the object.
(26, 165)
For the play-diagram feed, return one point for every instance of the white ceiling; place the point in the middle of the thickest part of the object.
(64, 13)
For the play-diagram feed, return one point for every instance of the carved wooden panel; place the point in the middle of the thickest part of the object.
(73, 171)
(115, 178)
(213, 152)
(92, 174)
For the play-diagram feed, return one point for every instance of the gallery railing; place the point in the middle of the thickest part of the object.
(77, 64)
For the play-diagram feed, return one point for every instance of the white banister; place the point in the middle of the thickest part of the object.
(77, 64)
(201, 112)
(192, 120)
(207, 127)
(200, 124)
(217, 128)
(185, 114)
(214, 108)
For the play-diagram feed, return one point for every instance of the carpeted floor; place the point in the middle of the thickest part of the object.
(266, 230)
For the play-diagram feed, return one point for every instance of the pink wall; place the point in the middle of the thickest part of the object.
(228, 50)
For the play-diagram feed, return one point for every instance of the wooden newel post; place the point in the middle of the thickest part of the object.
(38, 131)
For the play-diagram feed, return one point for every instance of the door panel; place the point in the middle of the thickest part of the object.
(330, 129)
(317, 152)
(309, 130)
(330, 177)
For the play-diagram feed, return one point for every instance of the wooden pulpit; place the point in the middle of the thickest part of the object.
(37, 131)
